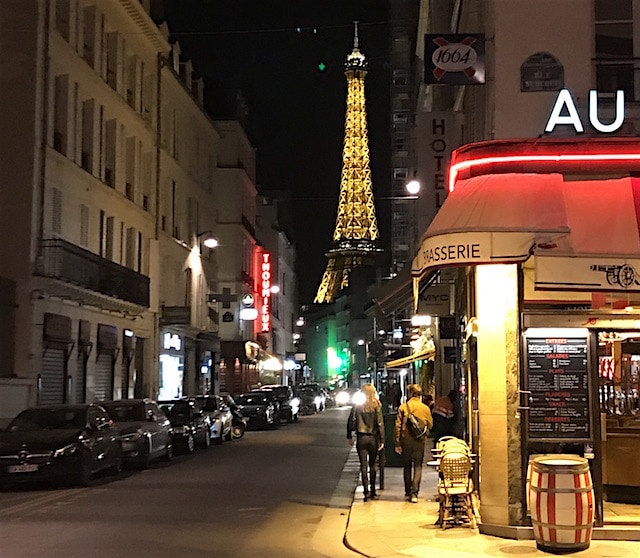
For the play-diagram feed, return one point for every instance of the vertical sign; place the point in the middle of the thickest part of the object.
(265, 292)
(558, 380)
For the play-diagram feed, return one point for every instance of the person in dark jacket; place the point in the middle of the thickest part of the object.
(366, 421)
(411, 449)
(444, 419)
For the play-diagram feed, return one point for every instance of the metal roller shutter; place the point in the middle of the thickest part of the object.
(103, 385)
(52, 376)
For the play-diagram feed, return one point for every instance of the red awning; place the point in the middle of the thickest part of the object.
(507, 218)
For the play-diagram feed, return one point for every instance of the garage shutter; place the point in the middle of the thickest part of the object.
(52, 377)
(104, 376)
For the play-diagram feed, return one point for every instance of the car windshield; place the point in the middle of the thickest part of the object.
(251, 399)
(177, 412)
(282, 393)
(208, 403)
(126, 412)
(48, 419)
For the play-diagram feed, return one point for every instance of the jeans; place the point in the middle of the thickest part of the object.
(367, 446)
(412, 458)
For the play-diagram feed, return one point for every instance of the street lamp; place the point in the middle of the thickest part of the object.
(413, 186)
(208, 239)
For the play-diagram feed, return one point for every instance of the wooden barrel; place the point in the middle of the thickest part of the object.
(561, 499)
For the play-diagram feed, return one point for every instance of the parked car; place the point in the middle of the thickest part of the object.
(191, 426)
(258, 408)
(59, 443)
(146, 431)
(220, 416)
(289, 403)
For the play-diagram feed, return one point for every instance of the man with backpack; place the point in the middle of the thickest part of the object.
(412, 426)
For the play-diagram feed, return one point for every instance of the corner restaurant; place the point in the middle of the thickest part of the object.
(544, 239)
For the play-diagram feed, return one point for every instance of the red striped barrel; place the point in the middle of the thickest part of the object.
(561, 500)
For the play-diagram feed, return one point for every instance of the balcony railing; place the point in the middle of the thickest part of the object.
(67, 262)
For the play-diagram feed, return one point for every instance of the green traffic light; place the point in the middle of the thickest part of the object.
(322, 66)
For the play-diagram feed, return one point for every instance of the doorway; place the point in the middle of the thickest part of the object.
(619, 405)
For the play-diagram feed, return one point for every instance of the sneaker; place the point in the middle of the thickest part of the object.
(414, 499)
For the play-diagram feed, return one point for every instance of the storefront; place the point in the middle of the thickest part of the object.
(171, 365)
(544, 238)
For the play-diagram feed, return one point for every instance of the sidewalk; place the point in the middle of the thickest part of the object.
(390, 527)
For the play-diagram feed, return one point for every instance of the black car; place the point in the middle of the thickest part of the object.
(146, 431)
(191, 425)
(289, 403)
(59, 442)
(259, 409)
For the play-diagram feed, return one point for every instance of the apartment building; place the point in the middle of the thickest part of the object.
(115, 181)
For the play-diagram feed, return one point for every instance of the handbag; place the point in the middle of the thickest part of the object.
(416, 427)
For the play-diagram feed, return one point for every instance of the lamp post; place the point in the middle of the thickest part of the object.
(208, 239)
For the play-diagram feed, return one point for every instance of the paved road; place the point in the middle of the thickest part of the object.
(266, 495)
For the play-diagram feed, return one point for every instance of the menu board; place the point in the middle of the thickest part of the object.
(559, 384)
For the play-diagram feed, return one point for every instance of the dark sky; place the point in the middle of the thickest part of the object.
(270, 50)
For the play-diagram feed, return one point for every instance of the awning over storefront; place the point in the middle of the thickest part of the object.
(405, 361)
(571, 204)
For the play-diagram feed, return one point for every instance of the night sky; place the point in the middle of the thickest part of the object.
(270, 51)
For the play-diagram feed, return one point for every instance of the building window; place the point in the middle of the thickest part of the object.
(63, 18)
(615, 65)
(400, 77)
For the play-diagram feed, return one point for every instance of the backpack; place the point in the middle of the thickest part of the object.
(416, 427)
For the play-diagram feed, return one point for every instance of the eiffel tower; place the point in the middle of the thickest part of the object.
(356, 227)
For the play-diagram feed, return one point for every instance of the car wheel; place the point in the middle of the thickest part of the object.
(168, 454)
(116, 468)
(189, 443)
(237, 431)
(83, 477)
(206, 443)
(143, 457)
(219, 440)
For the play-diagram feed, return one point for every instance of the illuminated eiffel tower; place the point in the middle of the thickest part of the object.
(356, 226)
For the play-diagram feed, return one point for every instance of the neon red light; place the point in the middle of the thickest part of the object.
(265, 292)
(455, 169)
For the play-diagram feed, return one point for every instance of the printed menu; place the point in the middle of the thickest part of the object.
(558, 380)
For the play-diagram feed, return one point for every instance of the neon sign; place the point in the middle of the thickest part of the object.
(265, 292)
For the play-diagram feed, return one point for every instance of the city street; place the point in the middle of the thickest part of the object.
(262, 495)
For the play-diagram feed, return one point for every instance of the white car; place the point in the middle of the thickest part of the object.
(220, 415)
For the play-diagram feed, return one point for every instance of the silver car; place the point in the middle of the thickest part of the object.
(220, 415)
(145, 430)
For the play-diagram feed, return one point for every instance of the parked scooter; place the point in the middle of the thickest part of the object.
(238, 422)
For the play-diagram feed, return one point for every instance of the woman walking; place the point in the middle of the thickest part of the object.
(366, 421)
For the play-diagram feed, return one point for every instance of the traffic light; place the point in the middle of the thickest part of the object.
(334, 362)
(322, 66)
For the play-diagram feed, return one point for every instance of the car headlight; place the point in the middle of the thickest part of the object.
(295, 403)
(318, 400)
(66, 450)
(342, 398)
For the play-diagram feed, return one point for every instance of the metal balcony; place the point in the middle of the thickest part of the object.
(67, 262)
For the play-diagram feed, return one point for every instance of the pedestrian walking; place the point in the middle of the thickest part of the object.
(444, 419)
(366, 421)
(393, 395)
(407, 445)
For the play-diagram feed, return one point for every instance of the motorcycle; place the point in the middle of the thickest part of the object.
(238, 422)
